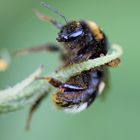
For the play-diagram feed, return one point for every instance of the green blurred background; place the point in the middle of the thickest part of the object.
(117, 117)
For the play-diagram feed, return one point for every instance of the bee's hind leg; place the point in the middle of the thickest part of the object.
(33, 108)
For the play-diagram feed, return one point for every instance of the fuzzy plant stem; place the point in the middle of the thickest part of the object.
(25, 92)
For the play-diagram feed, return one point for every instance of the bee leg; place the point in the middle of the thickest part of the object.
(33, 108)
(62, 86)
(48, 19)
(114, 63)
(41, 48)
(54, 82)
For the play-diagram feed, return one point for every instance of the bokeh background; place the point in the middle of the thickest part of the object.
(115, 118)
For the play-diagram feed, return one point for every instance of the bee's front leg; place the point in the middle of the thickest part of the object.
(37, 49)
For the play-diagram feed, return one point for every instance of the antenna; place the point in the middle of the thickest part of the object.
(46, 5)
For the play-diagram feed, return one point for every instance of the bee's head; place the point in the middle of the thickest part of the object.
(71, 31)
(68, 32)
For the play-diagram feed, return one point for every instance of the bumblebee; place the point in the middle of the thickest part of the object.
(80, 41)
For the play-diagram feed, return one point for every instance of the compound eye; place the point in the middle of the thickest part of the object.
(66, 37)
(76, 33)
